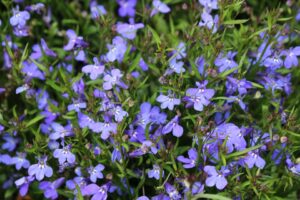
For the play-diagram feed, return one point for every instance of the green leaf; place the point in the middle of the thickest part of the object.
(210, 196)
(79, 194)
(237, 21)
(239, 153)
(34, 120)
(52, 84)
(155, 35)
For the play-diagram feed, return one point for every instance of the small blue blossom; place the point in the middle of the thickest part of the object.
(159, 6)
(191, 161)
(96, 172)
(50, 188)
(226, 62)
(19, 18)
(41, 169)
(155, 172)
(168, 101)
(173, 126)
(64, 155)
(215, 177)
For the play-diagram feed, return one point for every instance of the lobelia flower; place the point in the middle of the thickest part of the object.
(94, 70)
(42, 98)
(155, 172)
(238, 100)
(143, 198)
(78, 87)
(173, 126)
(105, 128)
(118, 113)
(97, 10)
(19, 18)
(10, 143)
(159, 7)
(215, 177)
(41, 169)
(209, 21)
(129, 30)
(20, 161)
(35, 8)
(23, 184)
(85, 121)
(209, 5)
(175, 66)
(191, 161)
(252, 159)
(112, 79)
(21, 31)
(46, 49)
(76, 106)
(99, 193)
(226, 62)
(294, 168)
(143, 65)
(49, 188)
(233, 85)
(168, 101)
(64, 155)
(59, 131)
(96, 172)
(127, 8)
(74, 41)
(117, 49)
(145, 148)
(172, 192)
(136, 135)
(199, 97)
(197, 188)
(180, 51)
(291, 59)
(32, 71)
(273, 62)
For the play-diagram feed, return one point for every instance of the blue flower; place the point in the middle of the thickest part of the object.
(97, 10)
(159, 7)
(129, 30)
(112, 79)
(23, 184)
(155, 172)
(19, 18)
(76, 106)
(64, 155)
(49, 188)
(117, 49)
(32, 71)
(291, 59)
(216, 178)
(105, 128)
(173, 126)
(99, 193)
(40, 169)
(252, 159)
(59, 131)
(175, 66)
(20, 161)
(127, 8)
(191, 161)
(226, 62)
(94, 70)
(10, 143)
(168, 101)
(172, 192)
(199, 97)
(96, 172)
(209, 21)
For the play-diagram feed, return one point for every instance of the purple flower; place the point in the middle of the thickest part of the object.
(197, 188)
(118, 113)
(20, 161)
(145, 148)
(19, 18)
(64, 155)
(238, 100)
(191, 161)
(209, 5)
(23, 184)
(99, 193)
(226, 62)
(74, 40)
(6, 159)
(59, 131)
(10, 143)
(273, 62)
(42, 98)
(85, 121)
(105, 128)
(46, 49)
(199, 97)
(168, 101)
(172, 192)
(127, 8)
(253, 158)
(143, 65)
(142, 198)
(209, 21)
(173, 126)
(76, 106)
(159, 7)
(129, 30)
(21, 31)
(155, 172)
(96, 172)
(35, 7)
(97, 10)
(291, 58)
(117, 49)
(175, 66)
(113, 79)
(234, 85)
(94, 70)
(216, 178)
(49, 188)
(32, 71)
(40, 169)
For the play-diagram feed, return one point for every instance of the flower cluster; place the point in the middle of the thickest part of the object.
(149, 100)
